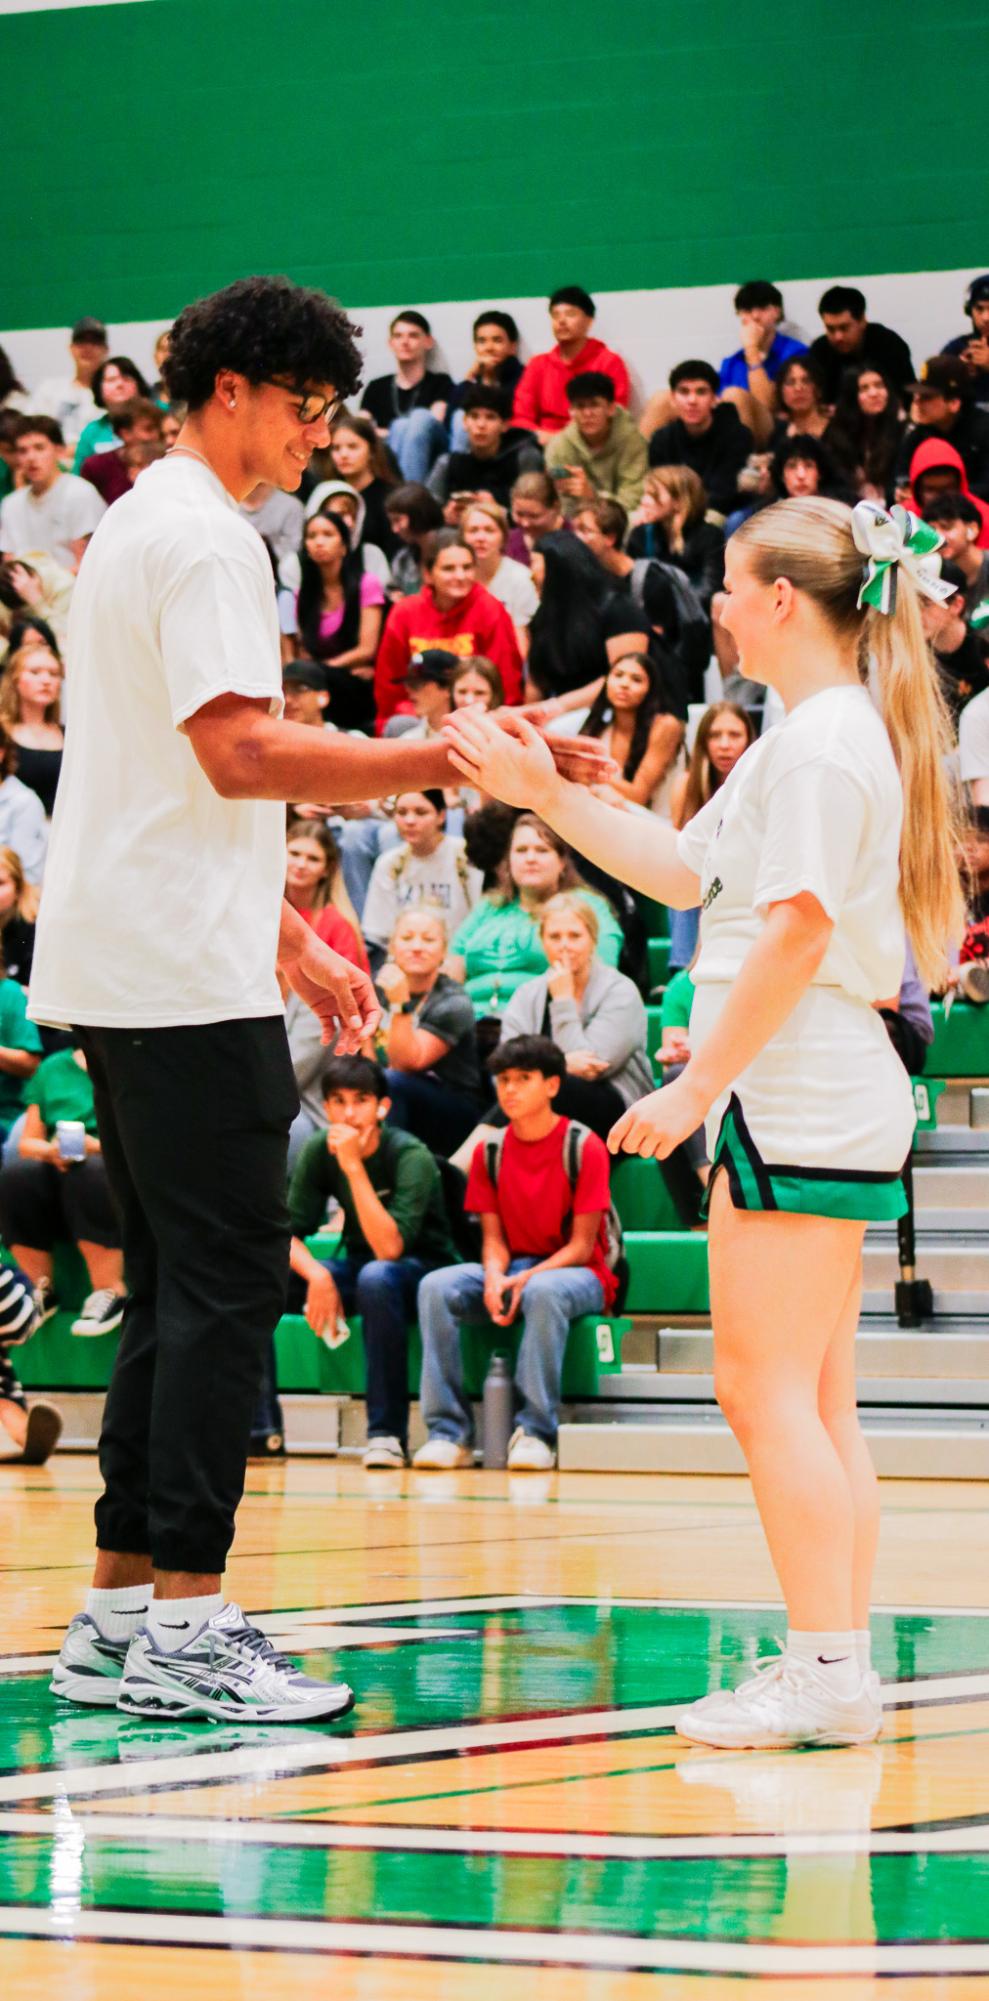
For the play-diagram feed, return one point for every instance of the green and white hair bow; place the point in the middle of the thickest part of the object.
(891, 538)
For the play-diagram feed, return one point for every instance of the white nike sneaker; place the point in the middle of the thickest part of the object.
(228, 1671)
(785, 1702)
(529, 1454)
(443, 1454)
(90, 1666)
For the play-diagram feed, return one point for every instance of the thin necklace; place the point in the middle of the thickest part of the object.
(187, 452)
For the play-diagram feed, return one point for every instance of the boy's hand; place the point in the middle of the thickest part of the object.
(344, 1143)
(494, 1286)
(511, 1293)
(323, 1303)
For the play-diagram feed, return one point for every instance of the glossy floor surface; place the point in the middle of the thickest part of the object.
(508, 1799)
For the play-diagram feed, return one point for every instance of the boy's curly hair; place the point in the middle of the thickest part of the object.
(261, 327)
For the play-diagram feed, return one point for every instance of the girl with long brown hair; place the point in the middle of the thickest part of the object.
(724, 732)
(832, 840)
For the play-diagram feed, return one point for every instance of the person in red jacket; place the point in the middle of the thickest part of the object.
(452, 611)
(936, 468)
(541, 395)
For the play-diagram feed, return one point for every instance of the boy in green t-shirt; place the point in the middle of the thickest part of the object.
(395, 1230)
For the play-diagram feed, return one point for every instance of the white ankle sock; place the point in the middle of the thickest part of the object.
(118, 1614)
(833, 1656)
(172, 1621)
(863, 1648)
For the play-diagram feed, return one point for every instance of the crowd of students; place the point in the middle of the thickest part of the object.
(518, 536)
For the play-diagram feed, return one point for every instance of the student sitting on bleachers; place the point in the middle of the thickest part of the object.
(395, 1230)
(724, 732)
(543, 1260)
(593, 1013)
(56, 1189)
(35, 1429)
(430, 1036)
(687, 1169)
(498, 946)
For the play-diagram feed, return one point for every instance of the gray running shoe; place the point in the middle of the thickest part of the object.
(228, 1671)
(89, 1666)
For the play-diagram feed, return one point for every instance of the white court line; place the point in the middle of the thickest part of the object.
(143, 1830)
(624, 1951)
(327, 1753)
(323, 1751)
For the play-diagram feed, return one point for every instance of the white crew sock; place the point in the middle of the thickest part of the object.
(833, 1656)
(118, 1614)
(173, 1621)
(863, 1648)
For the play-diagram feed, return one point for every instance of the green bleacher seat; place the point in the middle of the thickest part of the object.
(961, 1041)
(641, 1197)
(659, 959)
(654, 1032)
(307, 1365)
(668, 1272)
(655, 916)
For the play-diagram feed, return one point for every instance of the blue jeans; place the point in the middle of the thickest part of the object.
(383, 1291)
(549, 1303)
(684, 933)
(417, 441)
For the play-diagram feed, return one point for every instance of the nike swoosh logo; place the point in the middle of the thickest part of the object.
(831, 1660)
(171, 1627)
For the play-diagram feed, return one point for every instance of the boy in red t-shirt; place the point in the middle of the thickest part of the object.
(543, 1258)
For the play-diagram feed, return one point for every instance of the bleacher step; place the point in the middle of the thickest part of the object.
(955, 1264)
(952, 1185)
(892, 1354)
(919, 1445)
(665, 1386)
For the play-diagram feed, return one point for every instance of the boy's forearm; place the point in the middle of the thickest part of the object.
(379, 1228)
(271, 759)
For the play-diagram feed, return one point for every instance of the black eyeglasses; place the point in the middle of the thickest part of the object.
(312, 407)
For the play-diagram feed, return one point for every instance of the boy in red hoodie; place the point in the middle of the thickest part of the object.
(936, 468)
(452, 611)
(541, 396)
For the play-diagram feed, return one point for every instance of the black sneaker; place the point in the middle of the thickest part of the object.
(100, 1313)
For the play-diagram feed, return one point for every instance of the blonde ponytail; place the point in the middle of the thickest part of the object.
(920, 732)
(810, 542)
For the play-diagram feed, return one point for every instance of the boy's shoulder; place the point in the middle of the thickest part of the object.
(395, 1145)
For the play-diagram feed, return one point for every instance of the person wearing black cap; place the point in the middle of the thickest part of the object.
(70, 399)
(496, 452)
(541, 397)
(306, 692)
(941, 408)
(974, 346)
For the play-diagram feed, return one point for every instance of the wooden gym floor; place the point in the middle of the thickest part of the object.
(508, 1792)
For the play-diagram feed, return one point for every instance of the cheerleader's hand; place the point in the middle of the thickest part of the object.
(655, 1125)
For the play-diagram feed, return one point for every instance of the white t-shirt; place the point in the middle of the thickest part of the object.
(400, 880)
(65, 399)
(162, 900)
(514, 588)
(49, 524)
(973, 739)
(815, 805)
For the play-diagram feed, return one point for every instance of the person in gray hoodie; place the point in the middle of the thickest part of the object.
(593, 1013)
